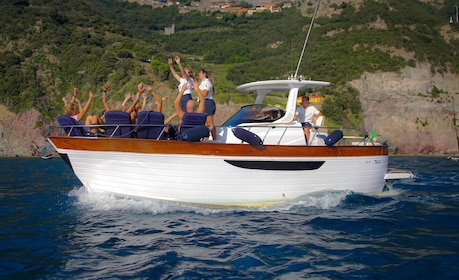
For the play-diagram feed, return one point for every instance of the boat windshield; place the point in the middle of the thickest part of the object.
(255, 113)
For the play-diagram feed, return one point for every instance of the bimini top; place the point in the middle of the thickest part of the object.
(280, 85)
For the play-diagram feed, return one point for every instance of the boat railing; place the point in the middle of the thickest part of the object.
(170, 131)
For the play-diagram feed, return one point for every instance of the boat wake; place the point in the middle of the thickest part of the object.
(324, 200)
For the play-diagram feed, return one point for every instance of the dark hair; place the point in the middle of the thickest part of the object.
(205, 72)
(208, 76)
(305, 97)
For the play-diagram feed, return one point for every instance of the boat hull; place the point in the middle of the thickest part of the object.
(215, 173)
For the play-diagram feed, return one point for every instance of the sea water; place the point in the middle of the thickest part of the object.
(52, 228)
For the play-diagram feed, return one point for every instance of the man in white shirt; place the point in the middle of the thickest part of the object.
(307, 115)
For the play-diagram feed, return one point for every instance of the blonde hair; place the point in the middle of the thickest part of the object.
(70, 108)
(150, 107)
(117, 106)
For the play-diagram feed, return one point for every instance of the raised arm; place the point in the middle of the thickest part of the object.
(144, 101)
(104, 101)
(127, 96)
(202, 103)
(178, 108)
(158, 100)
(140, 90)
(182, 70)
(74, 96)
(75, 99)
(86, 106)
(105, 87)
(171, 66)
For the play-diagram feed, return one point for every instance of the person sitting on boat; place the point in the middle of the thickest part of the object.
(73, 99)
(78, 112)
(206, 89)
(186, 80)
(118, 106)
(158, 104)
(307, 115)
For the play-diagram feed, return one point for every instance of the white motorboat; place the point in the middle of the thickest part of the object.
(259, 157)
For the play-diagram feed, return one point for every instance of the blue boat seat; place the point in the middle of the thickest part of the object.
(118, 124)
(192, 119)
(150, 125)
(68, 124)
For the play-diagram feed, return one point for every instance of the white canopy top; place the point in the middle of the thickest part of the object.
(280, 85)
(291, 86)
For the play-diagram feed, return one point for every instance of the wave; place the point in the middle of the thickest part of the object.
(324, 200)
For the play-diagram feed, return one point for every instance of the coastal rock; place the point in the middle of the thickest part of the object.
(19, 134)
(403, 112)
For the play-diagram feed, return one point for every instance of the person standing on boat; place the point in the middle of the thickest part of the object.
(186, 80)
(190, 106)
(307, 114)
(206, 89)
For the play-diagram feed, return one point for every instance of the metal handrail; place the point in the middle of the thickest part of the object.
(56, 130)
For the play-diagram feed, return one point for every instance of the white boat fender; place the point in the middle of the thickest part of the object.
(195, 134)
(247, 136)
(333, 137)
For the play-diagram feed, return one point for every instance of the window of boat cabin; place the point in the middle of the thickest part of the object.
(255, 113)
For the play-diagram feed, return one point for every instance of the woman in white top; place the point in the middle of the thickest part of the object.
(206, 89)
(185, 80)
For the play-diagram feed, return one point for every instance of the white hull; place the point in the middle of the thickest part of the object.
(277, 166)
(182, 178)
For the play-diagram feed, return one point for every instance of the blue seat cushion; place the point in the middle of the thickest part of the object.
(150, 124)
(333, 137)
(68, 123)
(192, 119)
(118, 124)
(195, 134)
(247, 136)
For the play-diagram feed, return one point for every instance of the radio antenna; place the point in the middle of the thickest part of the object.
(306, 40)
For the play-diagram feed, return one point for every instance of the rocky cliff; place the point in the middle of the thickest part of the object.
(19, 133)
(401, 107)
(407, 114)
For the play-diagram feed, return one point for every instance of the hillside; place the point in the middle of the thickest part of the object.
(392, 65)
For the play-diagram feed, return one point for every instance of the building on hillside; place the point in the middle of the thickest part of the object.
(169, 30)
(241, 11)
(235, 10)
(312, 99)
(271, 7)
(316, 99)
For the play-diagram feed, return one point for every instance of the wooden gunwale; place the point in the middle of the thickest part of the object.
(147, 146)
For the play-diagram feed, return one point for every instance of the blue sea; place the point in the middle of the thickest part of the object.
(52, 228)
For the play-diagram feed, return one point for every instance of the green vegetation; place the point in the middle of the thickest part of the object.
(49, 47)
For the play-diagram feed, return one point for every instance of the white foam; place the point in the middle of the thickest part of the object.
(319, 200)
(94, 201)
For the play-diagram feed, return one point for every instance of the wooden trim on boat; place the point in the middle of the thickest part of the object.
(147, 146)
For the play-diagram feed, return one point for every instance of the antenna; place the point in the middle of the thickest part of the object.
(307, 37)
